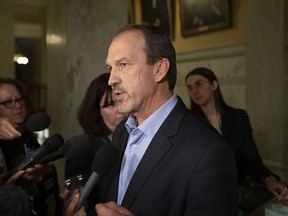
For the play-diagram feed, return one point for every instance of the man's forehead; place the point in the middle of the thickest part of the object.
(129, 35)
(124, 48)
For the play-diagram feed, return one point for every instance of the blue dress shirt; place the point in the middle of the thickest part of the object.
(138, 141)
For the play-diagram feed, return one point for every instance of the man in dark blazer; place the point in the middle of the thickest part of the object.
(186, 169)
(177, 165)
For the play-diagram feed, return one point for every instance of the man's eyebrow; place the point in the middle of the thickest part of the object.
(117, 61)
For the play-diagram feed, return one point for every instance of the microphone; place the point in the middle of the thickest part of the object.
(36, 122)
(52, 144)
(104, 160)
(74, 147)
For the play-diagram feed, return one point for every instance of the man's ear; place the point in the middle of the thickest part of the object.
(162, 69)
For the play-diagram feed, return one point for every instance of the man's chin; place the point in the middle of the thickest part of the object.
(124, 110)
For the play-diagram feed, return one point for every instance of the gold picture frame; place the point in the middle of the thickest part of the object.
(160, 13)
(198, 16)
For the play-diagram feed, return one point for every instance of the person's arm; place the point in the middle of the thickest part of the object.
(251, 160)
(278, 189)
(255, 166)
(213, 185)
(7, 130)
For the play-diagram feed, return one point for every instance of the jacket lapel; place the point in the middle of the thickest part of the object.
(156, 151)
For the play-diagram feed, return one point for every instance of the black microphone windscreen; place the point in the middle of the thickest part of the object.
(53, 143)
(74, 147)
(51, 157)
(105, 158)
(36, 122)
(77, 146)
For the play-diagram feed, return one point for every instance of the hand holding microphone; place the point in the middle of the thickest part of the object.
(37, 172)
(7, 130)
(53, 143)
(104, 160)
(36, 122)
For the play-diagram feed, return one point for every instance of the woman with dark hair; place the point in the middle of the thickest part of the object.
(234, 126)
(91, 113)
(15, 146)
(98, 115)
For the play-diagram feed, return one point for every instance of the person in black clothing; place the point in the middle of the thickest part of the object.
(234, 126)
(98, 115)
(39, 181)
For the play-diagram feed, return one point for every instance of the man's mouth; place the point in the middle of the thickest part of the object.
(118, 95)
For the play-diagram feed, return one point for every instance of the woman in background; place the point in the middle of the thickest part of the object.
(98, 115)
(39, 181)
(234, 126)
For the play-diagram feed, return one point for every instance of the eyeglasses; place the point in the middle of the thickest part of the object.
(198, 84)
(11, 102)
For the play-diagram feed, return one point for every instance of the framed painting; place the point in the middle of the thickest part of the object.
(160, 13)
(131, 11)
(198, 16)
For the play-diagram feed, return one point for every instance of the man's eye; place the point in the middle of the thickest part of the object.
(123, 65)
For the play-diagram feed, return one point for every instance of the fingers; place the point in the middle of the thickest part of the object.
(72, 205)
(37, 172)
(65, 194)
(68, 196)
(112, 209)
(283, 193)
(15, 177)
(7, 130)
(279, 190)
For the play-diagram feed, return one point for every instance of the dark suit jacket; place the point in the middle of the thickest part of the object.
(186, 170)
(237, 132)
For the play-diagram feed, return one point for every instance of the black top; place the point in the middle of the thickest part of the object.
(237, 132)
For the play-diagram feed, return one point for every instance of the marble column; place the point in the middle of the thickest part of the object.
(78, 35)
(266, 90)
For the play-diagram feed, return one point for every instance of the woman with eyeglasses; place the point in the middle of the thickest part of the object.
(234, 126)
(39, 181)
